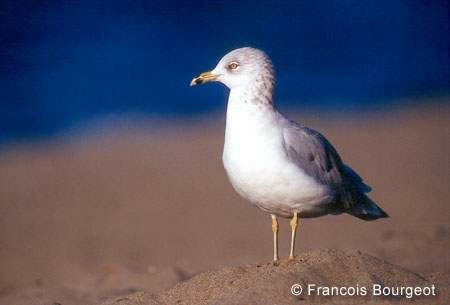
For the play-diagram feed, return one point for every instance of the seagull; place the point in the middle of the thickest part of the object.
(284, 168)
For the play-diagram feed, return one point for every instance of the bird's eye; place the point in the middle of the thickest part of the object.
(233, 66)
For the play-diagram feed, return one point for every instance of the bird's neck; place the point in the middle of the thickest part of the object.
(251, 121)
(259, 92)
(250, 107)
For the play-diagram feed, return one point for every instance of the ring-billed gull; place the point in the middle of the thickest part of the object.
(284, 168)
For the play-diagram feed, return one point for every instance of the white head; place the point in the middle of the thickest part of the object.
(240, 68)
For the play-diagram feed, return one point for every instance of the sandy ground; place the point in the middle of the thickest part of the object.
(355, 277)
(94, 216)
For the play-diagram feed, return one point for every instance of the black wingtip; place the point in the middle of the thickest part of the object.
(368, 217)
(369, 211)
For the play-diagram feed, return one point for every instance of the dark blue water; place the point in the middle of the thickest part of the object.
(65, 62)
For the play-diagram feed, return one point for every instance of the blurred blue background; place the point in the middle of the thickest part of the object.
(63, 63)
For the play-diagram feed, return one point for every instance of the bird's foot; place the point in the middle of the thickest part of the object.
(276, 263)
(291, 257)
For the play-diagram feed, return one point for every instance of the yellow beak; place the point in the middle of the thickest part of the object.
(203, 78)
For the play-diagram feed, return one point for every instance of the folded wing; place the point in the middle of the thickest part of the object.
(315, 155)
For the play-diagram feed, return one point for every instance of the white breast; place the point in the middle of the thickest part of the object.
(258, 168)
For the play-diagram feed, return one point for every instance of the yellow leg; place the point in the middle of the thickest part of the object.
(275, 238)
(294, 224)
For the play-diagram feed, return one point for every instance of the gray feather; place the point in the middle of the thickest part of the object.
(315, 155)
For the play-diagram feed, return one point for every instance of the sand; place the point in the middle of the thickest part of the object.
(97, 215)
(269, 284)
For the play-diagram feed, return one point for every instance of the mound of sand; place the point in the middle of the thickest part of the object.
(268, 284)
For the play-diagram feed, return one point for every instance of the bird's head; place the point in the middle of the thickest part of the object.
(239, 68)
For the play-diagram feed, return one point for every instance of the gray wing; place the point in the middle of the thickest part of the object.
(312, 152)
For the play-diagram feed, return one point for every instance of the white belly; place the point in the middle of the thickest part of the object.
(259, 170)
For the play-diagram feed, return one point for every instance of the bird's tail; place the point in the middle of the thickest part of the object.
(367, 209)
